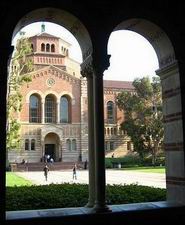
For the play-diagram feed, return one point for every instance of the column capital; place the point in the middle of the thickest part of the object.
(87, 67)
(101, 63)
(94, 65)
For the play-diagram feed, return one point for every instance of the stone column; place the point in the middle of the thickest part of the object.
(60, 149)
(58, 113)
(42, 149)
(5, 54)
(100, 64)
(91, 144)
(87, 71)
(173, 131)
(43, 111)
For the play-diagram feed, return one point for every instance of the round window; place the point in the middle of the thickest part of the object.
(50, 82)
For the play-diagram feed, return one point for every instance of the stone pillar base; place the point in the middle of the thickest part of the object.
(98, 208)
(89, 205)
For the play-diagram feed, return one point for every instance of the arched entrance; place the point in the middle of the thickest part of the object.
(172, 116)
(51, 146)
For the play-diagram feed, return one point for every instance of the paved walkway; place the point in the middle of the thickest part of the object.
(112, 177)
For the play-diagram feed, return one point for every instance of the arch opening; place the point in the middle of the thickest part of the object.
(168, 72)
(51, 147)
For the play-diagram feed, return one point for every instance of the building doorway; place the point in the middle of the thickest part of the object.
(50, 150)
(51, 145)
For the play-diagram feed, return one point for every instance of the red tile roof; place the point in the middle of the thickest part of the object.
(118, 84)
(44, 34)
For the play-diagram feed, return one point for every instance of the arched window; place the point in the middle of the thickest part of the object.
(43, 47)
(33, 144)
(106, 146)
(111, 145)
(128, 145)
(73, 145)
(52, 48)
(35, 109)
(110, 112)
(26, 146)
(32, 47)
(47, 47)
(50, 109)
(68, 145)
(64, 110)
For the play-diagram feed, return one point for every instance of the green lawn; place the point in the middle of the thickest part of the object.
(147, 169)
(14, 180)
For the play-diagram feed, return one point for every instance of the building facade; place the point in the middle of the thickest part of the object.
(54, 116)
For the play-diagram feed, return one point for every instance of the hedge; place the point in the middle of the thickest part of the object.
(132, 160)
(76, 195)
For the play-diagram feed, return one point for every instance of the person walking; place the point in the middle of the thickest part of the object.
(74, 172)
(85, 165)
(48, 158)
(46, 170)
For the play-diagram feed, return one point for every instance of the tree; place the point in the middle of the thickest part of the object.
(21, 66)
(143, 116)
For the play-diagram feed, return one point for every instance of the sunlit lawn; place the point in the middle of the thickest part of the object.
(147, 169)
(13, 180)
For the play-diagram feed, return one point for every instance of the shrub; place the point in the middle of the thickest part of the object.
(126, 161)
(76, 195)
(108, 163)
(148, 161)
(133, 160)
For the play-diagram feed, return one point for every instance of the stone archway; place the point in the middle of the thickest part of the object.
(52, 146)
(172, 107)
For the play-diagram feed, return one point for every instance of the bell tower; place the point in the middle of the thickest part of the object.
(43, 28)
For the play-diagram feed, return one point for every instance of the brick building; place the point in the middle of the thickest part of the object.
(55, 108)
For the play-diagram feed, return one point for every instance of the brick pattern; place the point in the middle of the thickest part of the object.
(170, 93)
(172, 117)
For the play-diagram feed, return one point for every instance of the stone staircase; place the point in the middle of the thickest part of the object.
(119, 152)
(52, 166)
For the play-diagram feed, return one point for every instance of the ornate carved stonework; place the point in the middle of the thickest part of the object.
(87, 67)
(50, 82)
(60, 74)
(92, 64)
(51, 129)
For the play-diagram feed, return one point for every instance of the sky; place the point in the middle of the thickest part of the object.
(132, 56)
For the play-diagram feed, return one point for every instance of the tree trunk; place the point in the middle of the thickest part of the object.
(154, 152)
